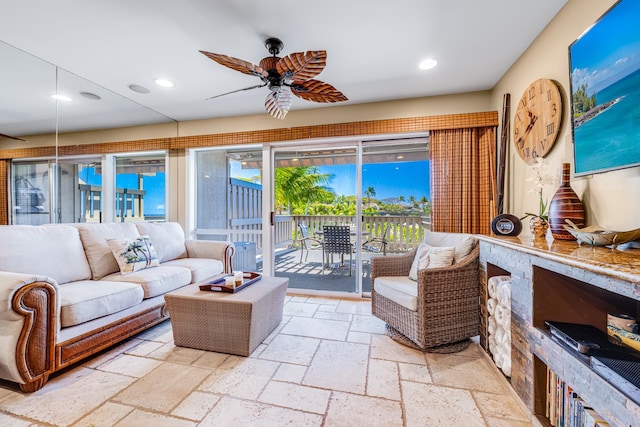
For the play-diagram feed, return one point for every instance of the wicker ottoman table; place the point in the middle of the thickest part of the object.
(226, 323)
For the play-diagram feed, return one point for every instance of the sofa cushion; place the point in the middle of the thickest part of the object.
(201, 268)
(463, 243)
(94, 238)
(167, 237)
(133, 254)
(45, 250)
(399, 289)
(155, 281)
(89, 299)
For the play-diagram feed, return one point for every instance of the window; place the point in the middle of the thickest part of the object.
(140, 188)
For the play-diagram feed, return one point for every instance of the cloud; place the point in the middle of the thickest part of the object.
(582, 76)
(621, 62)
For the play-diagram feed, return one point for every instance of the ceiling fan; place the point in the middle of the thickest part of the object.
(2, 135)
(283, 76)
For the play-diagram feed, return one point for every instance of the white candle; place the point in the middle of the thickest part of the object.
(229, 281)
(238, 275)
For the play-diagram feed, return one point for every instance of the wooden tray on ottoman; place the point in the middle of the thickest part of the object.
(217, 284)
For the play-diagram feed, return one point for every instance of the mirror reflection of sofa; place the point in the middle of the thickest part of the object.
(28, 197)
(69, 291)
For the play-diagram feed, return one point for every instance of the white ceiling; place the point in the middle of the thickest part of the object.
(373, 49)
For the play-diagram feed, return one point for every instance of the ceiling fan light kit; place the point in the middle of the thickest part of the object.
(283, 76)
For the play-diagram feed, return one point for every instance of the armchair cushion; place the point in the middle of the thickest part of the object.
(431, 257)
(399, 289)
(463, 243)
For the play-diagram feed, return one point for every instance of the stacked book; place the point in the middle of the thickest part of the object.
(566, 409)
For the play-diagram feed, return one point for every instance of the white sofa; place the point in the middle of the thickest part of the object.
(63, 297)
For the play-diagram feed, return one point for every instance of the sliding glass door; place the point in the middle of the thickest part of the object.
(274, 202)
(395, 198)
(315, 188)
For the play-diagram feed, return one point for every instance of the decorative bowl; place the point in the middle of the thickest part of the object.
(597, 236)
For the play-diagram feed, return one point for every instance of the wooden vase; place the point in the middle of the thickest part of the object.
(565, 205)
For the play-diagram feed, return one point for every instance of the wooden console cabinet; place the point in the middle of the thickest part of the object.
(565, 282)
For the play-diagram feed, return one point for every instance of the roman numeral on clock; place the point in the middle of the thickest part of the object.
(551, 127)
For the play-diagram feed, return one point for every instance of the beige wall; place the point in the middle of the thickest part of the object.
(416, 107)
(612, 199)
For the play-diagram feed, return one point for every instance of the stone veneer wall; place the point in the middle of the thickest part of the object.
(593, 286)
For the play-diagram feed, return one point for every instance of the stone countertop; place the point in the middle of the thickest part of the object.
(621, 263)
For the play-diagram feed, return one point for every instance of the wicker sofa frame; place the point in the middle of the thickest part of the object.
(448, 309)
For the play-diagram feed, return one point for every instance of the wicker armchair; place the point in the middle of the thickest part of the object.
(446, 300)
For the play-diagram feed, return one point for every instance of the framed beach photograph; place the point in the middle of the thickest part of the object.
(605, 92)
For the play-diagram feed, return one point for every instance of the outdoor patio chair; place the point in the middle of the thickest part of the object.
(307, 242)
(440, 311)
(377, 245)
(337, 240)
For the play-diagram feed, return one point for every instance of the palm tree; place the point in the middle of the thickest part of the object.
(369, 192)
(423, 202)
(300, 186)
(412, 200)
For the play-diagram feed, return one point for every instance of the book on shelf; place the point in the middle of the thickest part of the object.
(565, 408)
(592, 419)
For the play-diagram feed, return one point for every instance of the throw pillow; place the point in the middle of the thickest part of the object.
(133, 254)
(431, 257)
(420, 261)
(441, 256)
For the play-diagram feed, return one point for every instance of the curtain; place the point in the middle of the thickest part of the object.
(463, 180)
(5, 171)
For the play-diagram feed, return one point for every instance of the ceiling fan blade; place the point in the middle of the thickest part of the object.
(237, 90)
(317, 91)
(300, 66)
(2, 135)
(278, 103)
(237, 64)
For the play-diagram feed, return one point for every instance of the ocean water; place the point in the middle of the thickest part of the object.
(611, 140)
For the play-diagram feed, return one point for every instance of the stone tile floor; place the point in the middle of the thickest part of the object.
(328, 364)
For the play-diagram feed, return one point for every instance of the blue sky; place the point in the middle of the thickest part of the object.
(609, 51)
(389, 180)
(153, 185)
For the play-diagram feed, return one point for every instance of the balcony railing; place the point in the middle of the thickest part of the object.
(405, 232)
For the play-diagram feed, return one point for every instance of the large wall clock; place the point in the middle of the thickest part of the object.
(537, 121)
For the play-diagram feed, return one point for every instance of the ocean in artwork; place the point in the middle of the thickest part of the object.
(611, 139)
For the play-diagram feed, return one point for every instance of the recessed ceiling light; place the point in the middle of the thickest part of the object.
(61, 97)
(428, 64)
(90, 95)
(139, 89)
(163, 82)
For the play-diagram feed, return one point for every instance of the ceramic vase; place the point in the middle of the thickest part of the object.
(538, 227)
(565, 204)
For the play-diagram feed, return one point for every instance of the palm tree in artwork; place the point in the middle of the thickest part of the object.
(369, 192)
